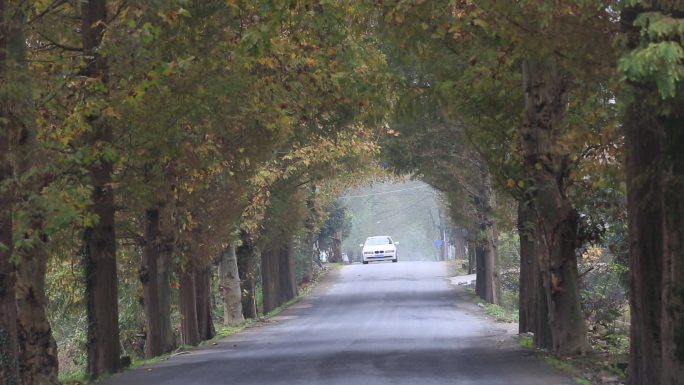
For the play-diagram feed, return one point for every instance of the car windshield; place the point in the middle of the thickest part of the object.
(376, 241)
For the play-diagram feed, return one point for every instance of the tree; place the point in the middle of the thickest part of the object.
(472, 54)
(653, 94)
(99, 239)
(9, 127)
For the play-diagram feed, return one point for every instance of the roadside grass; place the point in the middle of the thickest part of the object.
(568, 367)
(526, 341)
(500, 314)
(77, 377)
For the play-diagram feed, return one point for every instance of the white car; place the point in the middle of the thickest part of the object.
(379, 248)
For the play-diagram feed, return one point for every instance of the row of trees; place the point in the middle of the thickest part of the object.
(555, 104)
(193, 134)
(196, 130)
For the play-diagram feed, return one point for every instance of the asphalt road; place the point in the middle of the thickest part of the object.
(385, 323)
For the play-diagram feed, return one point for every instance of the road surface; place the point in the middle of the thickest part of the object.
(385, 323)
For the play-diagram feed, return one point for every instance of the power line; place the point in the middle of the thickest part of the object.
(385, 192)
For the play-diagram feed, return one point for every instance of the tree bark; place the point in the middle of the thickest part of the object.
(337, 247)
(655, 175)
(230, 287)
(528, 268)
(270, 278)
(9, 346)
(532, 298)
(546, 86)
(287, 271)
(309, 224)
(149, 278)
(99, 239)
(471, 257)
(190, 334)
(246, 269)
(155, 279)
(480, 272)
(167, 246)
(205, 320)
(488, 286)
(38, 362)
(492, 288)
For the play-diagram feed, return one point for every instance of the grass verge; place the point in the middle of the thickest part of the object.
(499, 313)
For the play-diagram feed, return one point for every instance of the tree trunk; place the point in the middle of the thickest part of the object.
(492, 288)
(546, 87)
(471, 257)
(310, 225)
(9, 347)
(337, 247)
(287, 271)
(149, 278)
(205, 320)
(270, 278)
(532, 298)
(99, 251)
(480, 272)
(190, 334)
(247, 270)
(655, 175)
(167, 246)
(37, 348)
(230, 287)
(155, 275)
(528, 268)
(487, 285)
(37, 351)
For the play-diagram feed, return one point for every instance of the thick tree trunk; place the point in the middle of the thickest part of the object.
(472, 259)
(99, 251)
(337, 247)
(655, 175)
(167, 246)
(38, 362)
(460, 249)
(492, 287)
(270, 278)
(646, 217)
(247, 270)
(532, 298)
(480, 272)
(287, 271)
(9, 346)
(528, 268)
(546, 87)
(149, 278)
(310, 239)
(37, 348)
(488, 286)
(155, 274)
(190, 334)
(205, 320)
(230, 287)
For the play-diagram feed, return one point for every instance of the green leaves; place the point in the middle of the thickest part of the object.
(657, 59)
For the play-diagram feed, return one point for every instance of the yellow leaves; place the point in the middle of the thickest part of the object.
(267, 62)
(511, 183)
(593, 254)
(172, 16)
(109, 112)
